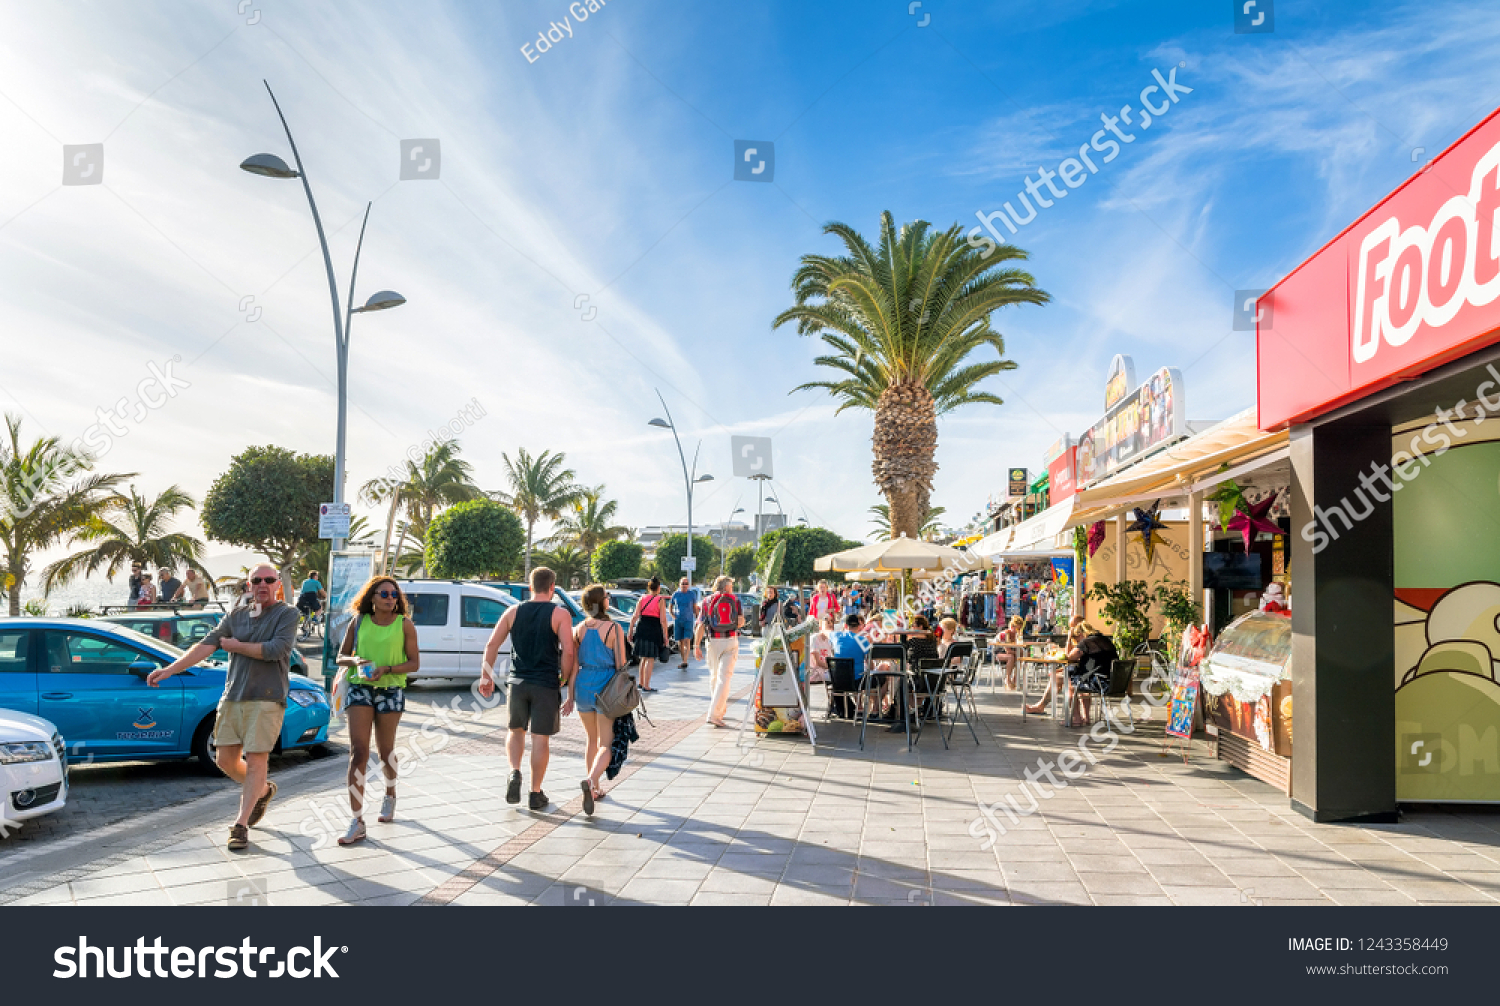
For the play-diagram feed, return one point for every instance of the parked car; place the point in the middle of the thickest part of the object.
(184, 628)
(88, 677)
(624, 600)
(454, 619)
(33, 765)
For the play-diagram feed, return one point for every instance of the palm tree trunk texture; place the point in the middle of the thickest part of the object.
(905, 442)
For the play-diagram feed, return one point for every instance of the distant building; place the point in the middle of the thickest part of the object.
(725, 536)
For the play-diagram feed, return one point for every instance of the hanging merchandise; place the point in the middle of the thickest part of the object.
(1096, 537)
(1253, 519)
(1148, 522)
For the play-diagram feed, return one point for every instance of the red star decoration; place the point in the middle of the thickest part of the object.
(1096, 537)
(1249, 523)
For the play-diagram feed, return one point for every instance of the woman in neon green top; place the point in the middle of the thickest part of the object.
(379, 651)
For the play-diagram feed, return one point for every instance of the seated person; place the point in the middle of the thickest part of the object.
(1009, 655)
(850, 644)
(920, 644)
(1076, 635)
(948, 635)
(820, 648)
(1091, 660)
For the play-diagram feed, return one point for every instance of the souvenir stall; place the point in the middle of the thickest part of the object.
(1246, 683)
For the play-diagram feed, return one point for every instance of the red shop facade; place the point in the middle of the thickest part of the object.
(1381, 355)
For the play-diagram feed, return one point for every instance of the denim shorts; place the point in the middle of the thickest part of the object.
(586, 687)
(683, 630)
(382, 700)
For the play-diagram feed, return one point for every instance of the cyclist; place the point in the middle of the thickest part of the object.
(310, 598)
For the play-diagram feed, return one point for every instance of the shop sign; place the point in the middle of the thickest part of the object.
(1411, 285)
(1062, 476)
(1141, 423)
(1017, 482)
(1119, 380)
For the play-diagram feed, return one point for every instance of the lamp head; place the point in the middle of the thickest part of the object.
(704, 478)
(659, 422)
(381, 301)
(269, 165)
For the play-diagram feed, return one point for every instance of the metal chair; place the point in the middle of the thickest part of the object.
(897, 653)
(936, 676)
(843, 688)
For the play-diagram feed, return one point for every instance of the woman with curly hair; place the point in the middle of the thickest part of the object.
(379, 651)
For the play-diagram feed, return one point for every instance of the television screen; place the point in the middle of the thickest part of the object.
(1232, 570)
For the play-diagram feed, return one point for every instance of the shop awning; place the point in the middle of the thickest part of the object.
(1039, 532)
(1193, 464)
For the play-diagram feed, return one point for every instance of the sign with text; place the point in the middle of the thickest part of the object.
(1142, 422)
(752, 457)
(1062, 476)
(333, 520)
(1017, 480)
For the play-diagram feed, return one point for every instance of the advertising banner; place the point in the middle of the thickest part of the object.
(1017, 480)
(348, 572)
(1062, 476)
(1149, 418)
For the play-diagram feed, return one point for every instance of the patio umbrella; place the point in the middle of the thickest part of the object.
(899, 555)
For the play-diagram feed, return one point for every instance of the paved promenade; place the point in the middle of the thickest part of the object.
(697, 819)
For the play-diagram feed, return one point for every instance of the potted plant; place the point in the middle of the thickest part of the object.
(1178, 608)
(1127, 607)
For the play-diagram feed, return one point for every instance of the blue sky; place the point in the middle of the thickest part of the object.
(603, 169)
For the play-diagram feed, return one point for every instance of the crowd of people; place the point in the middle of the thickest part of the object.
(163, 587)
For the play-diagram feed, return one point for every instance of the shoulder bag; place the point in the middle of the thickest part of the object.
(618, 697)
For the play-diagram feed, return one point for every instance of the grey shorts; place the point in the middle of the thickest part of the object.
(534, 707)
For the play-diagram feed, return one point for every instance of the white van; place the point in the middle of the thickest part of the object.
(454, 619)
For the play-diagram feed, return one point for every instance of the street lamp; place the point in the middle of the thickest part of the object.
(689, 478)
(724, 539)
(272, 166)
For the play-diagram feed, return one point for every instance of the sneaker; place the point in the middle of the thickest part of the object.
(239, 837)
(356, 832)
(588, 797)
(539, 800)
(259, 810)
(513, 791)
(387, 809)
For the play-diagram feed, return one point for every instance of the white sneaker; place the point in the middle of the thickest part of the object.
(356, 832)
(387, 809)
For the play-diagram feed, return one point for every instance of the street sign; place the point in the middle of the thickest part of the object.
(752, 457)
(333, 520)
(689, 563)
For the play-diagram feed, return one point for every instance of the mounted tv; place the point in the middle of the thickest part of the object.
(1232, 571)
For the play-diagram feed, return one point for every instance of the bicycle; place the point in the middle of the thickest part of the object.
(312, 622)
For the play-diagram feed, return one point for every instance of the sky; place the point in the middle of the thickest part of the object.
(585, 245)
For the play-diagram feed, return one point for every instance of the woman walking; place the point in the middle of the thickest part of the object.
(601, 652)
(379, 651)
(648, 623)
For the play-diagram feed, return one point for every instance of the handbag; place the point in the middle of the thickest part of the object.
(339, 700)
(619, 696)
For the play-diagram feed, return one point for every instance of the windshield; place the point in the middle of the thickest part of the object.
(141, 639)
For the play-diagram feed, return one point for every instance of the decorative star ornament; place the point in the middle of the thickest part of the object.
(1230, 498)
(1252, 519)
(1096, 537)
(1148, 522)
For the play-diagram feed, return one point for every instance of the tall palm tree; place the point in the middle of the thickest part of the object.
(134, 529)
(567, 562)
(539, 487)
(902, 320)
(587, 524)
(440, 479)
(882, 520)
(39, 506)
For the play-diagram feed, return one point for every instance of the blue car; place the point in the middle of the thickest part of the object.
(183, 628)
(89, 678)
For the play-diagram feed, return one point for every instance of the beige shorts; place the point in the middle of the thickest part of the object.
(254, 726)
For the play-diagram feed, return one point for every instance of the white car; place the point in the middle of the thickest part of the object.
(33, 769)
(454, 619)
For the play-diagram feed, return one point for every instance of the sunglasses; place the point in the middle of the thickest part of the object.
(387, 593)
(263, 579)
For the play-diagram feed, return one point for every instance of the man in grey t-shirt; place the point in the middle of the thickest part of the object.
(259, 637)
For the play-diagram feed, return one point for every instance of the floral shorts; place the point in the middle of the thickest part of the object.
(382, 700)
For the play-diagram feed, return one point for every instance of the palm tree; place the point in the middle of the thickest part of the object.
(882, 521)
(539, 487)
(567, 562)
(134, 529)
(440, 479)
(903, 320)
(587, 524)
(39, 509)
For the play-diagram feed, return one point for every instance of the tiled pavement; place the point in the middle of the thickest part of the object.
(700, 820)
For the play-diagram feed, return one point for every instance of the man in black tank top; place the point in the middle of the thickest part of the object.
(544, 660)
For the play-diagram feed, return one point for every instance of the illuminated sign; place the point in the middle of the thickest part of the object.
(1119, 380)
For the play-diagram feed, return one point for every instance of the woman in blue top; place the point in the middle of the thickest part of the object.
(601, 652)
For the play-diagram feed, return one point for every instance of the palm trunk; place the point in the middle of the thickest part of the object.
(904, 443)
(526, 573)
(17, 574)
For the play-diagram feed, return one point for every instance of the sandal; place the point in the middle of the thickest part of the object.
(588, 797)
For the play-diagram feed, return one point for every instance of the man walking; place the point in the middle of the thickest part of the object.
(684, 608)
(544, 659)
(721, 622)
(258, 637)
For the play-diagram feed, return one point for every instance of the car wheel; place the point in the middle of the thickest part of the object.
(203, 747)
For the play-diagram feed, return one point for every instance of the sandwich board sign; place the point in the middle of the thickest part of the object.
(776, 696)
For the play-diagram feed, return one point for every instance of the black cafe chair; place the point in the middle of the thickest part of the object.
(939, 676)
(896, 654)
(843, 688)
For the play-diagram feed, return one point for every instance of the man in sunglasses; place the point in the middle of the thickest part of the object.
(259, 638)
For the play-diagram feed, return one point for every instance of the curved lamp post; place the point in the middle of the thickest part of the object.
(689, 478)
(724, 539)
(272, 166)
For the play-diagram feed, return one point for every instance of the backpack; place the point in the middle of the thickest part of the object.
(722, 615)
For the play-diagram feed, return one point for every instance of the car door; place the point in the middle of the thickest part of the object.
(17, 672)
(91, 687)
(436, 618)
(478, 616)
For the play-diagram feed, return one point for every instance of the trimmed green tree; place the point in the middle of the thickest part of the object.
(804, 545)
(268, 502)
(474, 539)
(617, 560)
(670, 553)
(740, 562)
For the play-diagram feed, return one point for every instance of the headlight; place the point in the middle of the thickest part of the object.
(12, 754)
(305, 698)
